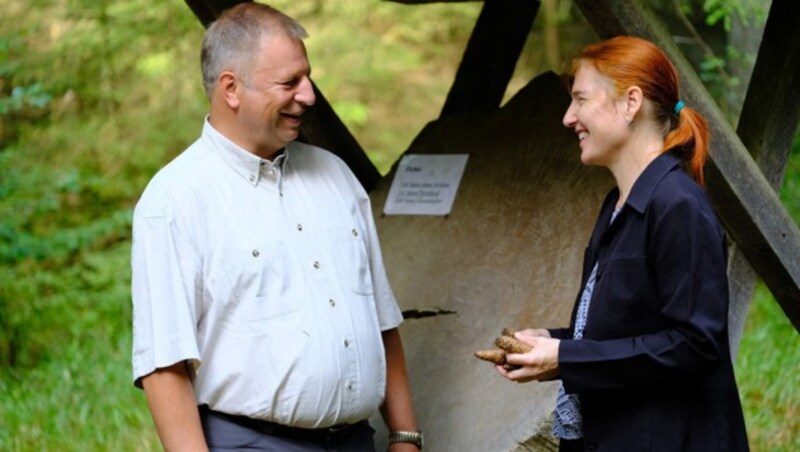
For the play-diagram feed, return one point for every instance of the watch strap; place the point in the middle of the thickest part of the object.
(406, 437)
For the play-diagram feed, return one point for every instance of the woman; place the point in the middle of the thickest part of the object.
(645, 363)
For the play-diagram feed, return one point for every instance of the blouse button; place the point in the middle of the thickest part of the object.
(332, 302)
(355, 233)
(299, 227)
(256, 253)
(316, 264)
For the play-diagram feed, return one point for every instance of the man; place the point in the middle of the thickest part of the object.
(262, 312)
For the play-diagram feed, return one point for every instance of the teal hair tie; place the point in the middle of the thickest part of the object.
(679, 107)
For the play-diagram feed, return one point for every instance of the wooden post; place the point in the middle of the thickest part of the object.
(491, 55)
(767, 125)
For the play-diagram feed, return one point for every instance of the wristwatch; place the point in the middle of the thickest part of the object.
(414, 438)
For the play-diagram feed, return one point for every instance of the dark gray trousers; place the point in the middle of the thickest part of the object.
(223, 434)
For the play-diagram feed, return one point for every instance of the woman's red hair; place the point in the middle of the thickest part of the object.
(630, 61)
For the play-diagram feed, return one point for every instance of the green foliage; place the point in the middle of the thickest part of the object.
(19, 99)
(769, 353)
(78, 396)
(790, 190)
(96, 95)
(766, 371)
(23, 97)
(751, 12)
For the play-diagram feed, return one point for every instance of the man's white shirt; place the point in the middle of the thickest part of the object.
(268, 278)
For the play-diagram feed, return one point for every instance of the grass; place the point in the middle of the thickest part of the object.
(80, 398)
(81, 402)
(767, 374)
(64, 226)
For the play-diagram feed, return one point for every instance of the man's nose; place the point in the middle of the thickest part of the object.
(305, 93)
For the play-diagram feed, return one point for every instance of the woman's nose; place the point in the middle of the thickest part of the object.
(569, 119)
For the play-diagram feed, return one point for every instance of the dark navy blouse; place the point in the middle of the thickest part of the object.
(653, 368)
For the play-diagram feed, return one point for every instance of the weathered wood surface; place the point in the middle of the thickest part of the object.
(508, 255)
(208, 10)
(490, 57)
(744, 199)
(321, 125)
(771, 111)
(767, 126)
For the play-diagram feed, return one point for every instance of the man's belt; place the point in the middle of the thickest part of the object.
(317, 435)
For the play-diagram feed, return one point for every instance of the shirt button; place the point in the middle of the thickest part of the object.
(350, 386)
(332, 302)
(346, 343)
(316, 264)
(256, 253)
(252, 178)
(299, 227)
(355, 233)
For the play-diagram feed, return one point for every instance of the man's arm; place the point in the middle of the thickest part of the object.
(171, 399)
(397, 409)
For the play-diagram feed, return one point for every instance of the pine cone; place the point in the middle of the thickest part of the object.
(512, 345)
(493, 356)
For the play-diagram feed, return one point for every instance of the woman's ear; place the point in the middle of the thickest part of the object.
(228, 85)
(633, 98)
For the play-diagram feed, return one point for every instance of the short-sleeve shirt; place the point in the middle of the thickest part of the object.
(267, 276)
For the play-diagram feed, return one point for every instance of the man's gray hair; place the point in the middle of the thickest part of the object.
(232, 41)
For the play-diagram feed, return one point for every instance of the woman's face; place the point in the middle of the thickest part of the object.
(597, 117)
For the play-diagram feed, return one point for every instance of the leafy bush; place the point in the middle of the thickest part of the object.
(95, 96)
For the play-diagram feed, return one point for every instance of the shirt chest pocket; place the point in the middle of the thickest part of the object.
(258, 280)
(351, 259)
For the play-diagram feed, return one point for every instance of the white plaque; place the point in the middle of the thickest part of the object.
(425, 184)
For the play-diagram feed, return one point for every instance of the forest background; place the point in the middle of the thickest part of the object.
(96, 95)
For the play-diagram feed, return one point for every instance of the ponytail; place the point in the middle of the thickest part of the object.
(689, 139)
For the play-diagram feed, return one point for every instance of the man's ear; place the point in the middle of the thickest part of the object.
(633, 102)
(229, 86)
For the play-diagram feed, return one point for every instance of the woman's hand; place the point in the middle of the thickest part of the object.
(534, 332)
(541, 363)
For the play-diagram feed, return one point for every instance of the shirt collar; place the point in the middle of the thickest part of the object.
(642, 190)
(248, 165)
